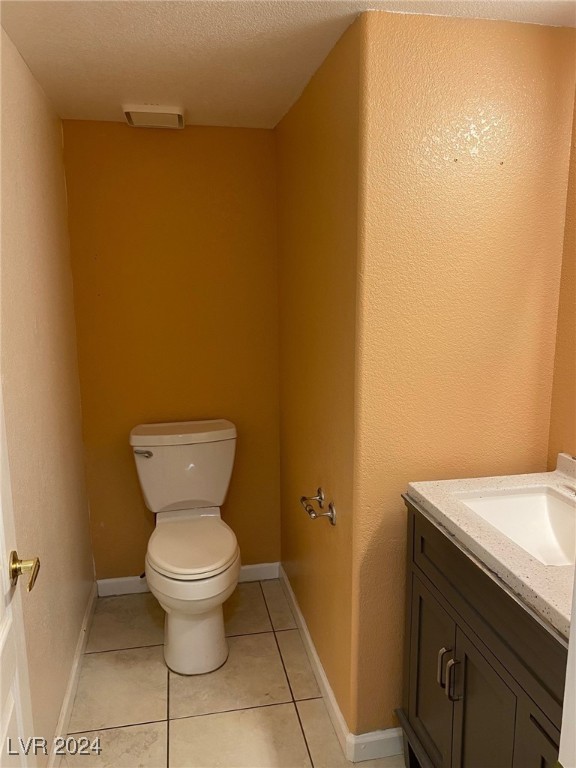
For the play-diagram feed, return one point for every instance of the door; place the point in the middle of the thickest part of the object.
(484, 711)
(15, 707)
(432, 645)
(536, 738)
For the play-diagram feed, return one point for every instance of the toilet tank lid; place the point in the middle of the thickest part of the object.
(183, 432)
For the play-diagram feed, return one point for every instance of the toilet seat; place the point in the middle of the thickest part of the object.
(192, 548)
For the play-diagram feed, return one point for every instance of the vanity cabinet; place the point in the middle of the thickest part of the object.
(446, 663)
(537, 740)
(483, 677)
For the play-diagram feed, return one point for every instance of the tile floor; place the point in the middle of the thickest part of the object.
(262, 709)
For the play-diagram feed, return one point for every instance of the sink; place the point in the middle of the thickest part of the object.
(539, 519)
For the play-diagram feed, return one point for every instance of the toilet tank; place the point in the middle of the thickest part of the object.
(184, 464)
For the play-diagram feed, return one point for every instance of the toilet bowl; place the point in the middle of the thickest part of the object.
(192, 567)
(193, 559)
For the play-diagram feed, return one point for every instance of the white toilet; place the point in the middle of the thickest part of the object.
(193, 559)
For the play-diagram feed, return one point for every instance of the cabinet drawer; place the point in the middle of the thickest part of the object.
(533, 655)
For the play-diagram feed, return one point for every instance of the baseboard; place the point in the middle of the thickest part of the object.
(131, 585)
(375, 744)
(356, 747)
(125, 585)
(259, 572)
(70, 695)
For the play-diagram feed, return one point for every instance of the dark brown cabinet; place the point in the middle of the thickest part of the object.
(456, 697)
(537, 740)
(432, 643)
(484, 711)
(483, 678)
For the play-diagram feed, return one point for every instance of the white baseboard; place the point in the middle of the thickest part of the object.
(125, 585)
(131, 585)
(356, 747)
(259, 572)
(70, 695)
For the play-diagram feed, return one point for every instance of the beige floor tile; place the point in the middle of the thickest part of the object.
(300, 675)
(135, 746)
(323, 742)
(252, 676)
(126, 621)
(269, 737)
(120, 688)
(280, 612)
(245, 611)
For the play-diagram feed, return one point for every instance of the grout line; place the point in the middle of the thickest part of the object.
(284, 667)
(266, 606)
(237, 709)
(278, 629)
(289, 684)
(249, 634)
(115, 727)
(303, 734)
(278, 646)
(310, 698)
(128, 648)
(288, 629)
(167, 717)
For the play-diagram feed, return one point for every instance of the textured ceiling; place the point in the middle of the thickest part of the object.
(227, 62)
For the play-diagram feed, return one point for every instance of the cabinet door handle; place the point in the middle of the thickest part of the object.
(439, 672)
(450, 680)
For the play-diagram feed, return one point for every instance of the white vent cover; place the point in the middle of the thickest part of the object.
(154, 116)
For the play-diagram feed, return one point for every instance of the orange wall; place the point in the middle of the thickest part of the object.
(422, 189)
(318, 187)
(421, 198)
(40, 390)
(563, 412)
(173, 238)
(464, 165)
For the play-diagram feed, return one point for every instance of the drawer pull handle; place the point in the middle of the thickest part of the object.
(439, 671)
(450, 680)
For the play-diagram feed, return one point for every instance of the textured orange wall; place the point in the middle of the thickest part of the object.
(318, 187)
(563, 411)
(418, 328)
(40, 390)
(173, 238)
(463, 186)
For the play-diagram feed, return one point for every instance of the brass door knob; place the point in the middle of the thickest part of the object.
(17, 567)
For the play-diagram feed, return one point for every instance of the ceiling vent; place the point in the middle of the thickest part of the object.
(154, 116)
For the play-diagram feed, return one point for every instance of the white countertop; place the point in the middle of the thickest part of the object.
(546, 589)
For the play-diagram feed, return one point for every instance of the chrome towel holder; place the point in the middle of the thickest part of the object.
(307, 503)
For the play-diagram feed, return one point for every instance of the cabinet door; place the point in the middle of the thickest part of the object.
(432, 639)
(537, 740)
(484, 711)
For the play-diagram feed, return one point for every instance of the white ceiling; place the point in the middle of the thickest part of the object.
(227, 62)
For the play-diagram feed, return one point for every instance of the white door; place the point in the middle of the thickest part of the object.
(15, 708)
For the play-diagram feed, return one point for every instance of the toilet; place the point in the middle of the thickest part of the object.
(193, 559)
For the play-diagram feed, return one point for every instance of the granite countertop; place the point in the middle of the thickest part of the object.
(545, 589)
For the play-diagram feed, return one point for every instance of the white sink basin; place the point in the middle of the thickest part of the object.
(539, 519)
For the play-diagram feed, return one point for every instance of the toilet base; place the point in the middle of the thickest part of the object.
(194, 639)
(194, 643)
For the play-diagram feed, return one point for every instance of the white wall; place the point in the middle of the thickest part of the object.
(40, 385)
